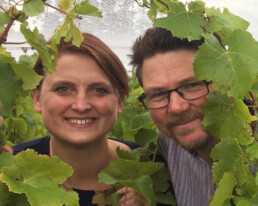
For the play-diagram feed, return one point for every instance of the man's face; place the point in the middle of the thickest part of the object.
(181, 120)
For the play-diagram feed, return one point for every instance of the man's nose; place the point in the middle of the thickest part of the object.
(177, 104)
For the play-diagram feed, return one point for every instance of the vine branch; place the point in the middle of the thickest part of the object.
(58, 9)
(3, 9)
(3, 36)
(15, 42)
(163, 3)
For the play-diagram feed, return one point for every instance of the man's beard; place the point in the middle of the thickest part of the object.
(195, 144)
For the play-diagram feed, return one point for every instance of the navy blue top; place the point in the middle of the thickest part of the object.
(41, 146)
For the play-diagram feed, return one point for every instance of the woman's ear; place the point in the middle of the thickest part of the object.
(36, 100)
(120, 106)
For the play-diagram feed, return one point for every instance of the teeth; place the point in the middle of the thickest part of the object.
(80, 121)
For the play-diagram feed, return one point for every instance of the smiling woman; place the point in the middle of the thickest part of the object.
(79, 104)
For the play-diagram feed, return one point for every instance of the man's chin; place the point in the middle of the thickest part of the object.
(194, 144)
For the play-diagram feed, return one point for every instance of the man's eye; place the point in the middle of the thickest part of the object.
(194, 85)
(156, 96)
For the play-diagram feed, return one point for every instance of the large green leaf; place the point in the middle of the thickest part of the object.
(190, 21)
(233, 71)
(10, 86)
(227, 119)
(33, 7)
(224, 190)
(39, 177)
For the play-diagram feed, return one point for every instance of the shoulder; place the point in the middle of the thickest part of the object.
(40, 145)
(131, 145)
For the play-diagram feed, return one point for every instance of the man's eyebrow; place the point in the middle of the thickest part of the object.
(187, 80)
(180, 83)
(154, 89)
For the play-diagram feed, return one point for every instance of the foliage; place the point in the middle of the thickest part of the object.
(230, 114)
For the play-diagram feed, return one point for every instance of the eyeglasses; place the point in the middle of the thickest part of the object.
(161, 99)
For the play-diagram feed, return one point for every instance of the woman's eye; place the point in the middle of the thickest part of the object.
(101, 90)
(62, 90)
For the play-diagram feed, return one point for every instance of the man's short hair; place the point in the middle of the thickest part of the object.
(157, 40)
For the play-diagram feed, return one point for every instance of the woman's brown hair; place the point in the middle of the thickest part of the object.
(102, 54)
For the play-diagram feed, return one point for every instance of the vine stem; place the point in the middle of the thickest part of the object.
(58, 9)
(163, 3)
(3, 9)
(15, 42)
(155, 153)
(3, 36)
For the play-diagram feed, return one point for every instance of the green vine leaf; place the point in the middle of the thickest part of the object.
(85, 8)
(225, 189)
(143, 185)
(10, 87)
(191, 21)
(230, 158)
(65, 4)
(60, 32)
(33, 7)
(6, 159)
(152, 13)
(121, 170)
(4, 19)
(225, 67)
(38, 42)
(31, 175)
(122, 154)
(73, 33)
(224, 24)
(11, 199)
(252, 150)
(30, 78)
(16, 124)
(227, 119)
(68, 30)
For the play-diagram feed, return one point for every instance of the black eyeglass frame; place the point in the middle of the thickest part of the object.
(143, 95)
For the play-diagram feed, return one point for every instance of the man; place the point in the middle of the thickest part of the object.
(164, 68)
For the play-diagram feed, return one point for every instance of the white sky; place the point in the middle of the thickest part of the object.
(123, 23)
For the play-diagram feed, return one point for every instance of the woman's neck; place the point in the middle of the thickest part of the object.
(87, 161)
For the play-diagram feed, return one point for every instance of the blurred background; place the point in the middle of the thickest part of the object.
(123, 21)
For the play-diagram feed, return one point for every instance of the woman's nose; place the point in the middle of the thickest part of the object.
(81, 103)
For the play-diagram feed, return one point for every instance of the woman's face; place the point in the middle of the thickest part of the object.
(78, 102)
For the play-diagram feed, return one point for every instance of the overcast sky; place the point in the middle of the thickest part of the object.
(123, 21)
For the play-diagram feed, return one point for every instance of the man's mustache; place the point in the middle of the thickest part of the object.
(186, 116)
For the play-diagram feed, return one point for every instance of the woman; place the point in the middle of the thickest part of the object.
(79, 104)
